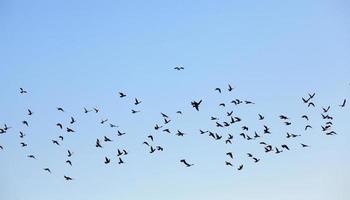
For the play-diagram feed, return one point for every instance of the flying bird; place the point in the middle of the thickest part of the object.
(196, 104)
(186, 163)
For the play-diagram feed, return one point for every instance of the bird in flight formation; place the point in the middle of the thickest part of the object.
(220, 131)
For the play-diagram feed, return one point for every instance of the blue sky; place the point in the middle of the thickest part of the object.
(80, 54)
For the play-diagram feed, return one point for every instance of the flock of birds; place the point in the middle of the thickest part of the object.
(230, 120)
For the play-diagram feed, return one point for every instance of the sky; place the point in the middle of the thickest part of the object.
(76, 54)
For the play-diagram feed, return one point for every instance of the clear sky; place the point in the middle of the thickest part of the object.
(76, 54)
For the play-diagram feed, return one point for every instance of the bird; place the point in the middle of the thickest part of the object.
(229, 113)
(186, 163)
(135, 111)
(285, 146)
(311, 95)
(25, 123)
(179, 112)
(304, 145)
(137, 102)
(122, 95)
(305, 117)
(228, 163)
(119, 152)
(218, 89)
(61, 137)
(164, 115)
(22, 91)
(107, 160)
(343, 104)
(249, 102)
(48, 170)
(326, 109)
(166, 120)
(86, 110)
(196, 104)
(256, 135)
(96, 110)
(283, 117)
(103, 121)
(59, 125)
(261, 117)
(98, 143)
(23, 144)
(72, 120)
(156, 127)
(6, 127)
(55, 142)
(202, 132)
(31, 156)
(159, 148)
(67, 178)
(1, 147)
(230, 88)
(113, 126)
(256, 160)
(106, 139)
(240, 167)
(166, 130)
(307, 126)
(179, 68)
(69, 130)
(179, 133)
(250, 155)
(311, 104)
(121, 133)
(152, 150)
(230, 154)
(30, 112)
(60, 109)
(21, 134)
(69, 153)
(69, 162)
(120, 161)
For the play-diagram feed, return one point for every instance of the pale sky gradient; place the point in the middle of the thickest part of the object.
(77, 54)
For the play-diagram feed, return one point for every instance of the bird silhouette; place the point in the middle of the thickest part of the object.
(261, 117)
(179, 68)
(107, 160)
(59, 125)
(196, 104)
(69, 153)
(304, 145)
(22, 91)
(186, 163)
(230, 154)
(48, 170)
(69, 130)
(122, 95)
(230, 88)
(343, 104)
(30, 112)
(67, 178)
(25, 123)
(218, 89)
(86, 110)
(240, 167)
(98, 143)
(69, 162)
(60, 109)
(72, 120)
(137, 102)
(106, 139)
(120, 161)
